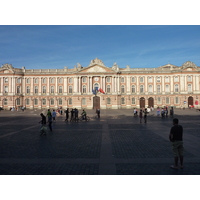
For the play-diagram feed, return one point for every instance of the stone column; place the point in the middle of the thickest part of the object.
(40, 86)
(75, 85)
(185, 78)
(56, 85)
(128, 84)
(172, 83)
(154, 84)
(2, 89)
(23, 85)
(48, 85)
(65, 85)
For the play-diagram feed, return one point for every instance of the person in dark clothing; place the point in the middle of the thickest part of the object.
(176, 138)
(145, 115)
(50, 121)
(98, 112)
(72, 115)
(76, 114)
(67, 114)
(43, 124)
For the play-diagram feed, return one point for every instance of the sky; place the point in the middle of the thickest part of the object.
(139, 46)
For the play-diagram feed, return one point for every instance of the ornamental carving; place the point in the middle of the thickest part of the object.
(96, 61)
(7, 66)
(188, 64)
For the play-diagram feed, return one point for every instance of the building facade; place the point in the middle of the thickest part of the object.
(168, 85)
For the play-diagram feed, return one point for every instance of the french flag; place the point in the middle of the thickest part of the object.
(100, 90)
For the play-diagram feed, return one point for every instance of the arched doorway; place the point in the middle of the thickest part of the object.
(190, 101)
(151, 102)
(142, 102)
(96, 102)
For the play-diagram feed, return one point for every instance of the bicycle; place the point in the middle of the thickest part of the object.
(81, 118)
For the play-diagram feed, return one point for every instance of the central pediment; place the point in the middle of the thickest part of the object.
(96, 68)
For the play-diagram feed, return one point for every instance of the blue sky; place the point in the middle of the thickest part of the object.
(53, 47)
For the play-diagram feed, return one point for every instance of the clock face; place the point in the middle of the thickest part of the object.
(96, 78)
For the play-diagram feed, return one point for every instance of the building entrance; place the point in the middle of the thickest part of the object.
(96, 102)
(142, 102)
(190, 101)
(151, 102)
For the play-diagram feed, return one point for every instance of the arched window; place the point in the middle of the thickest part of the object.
(60, 89)
(44, 90)
(83, 101)
(60, 80)
(108, 79)
(28, 80)
(108, 101)
(6, 80)
(52, 80)
(158, 88)
(44, 101)
(19, 80)
(84, 79)
(36, 81)
(84, 89)
(150, 79)
(18, 101)
(133, 100)
(52, 101)
(6, 89)
(52, 89)
(5, 102)
(70, 89)
(18, 90)
(122, 100)
(189, 87)
(28, 90)
(167, 79)
(108, 88)
(133, 79)
(150, 88)
(133, 89)
(96, 86)
(141, 79)
(35, 101)
(141, 88)
(122, 79)
(122, 89)
(167, 100)
(60, 101)
(176, 79)
(70, 80)
(36, 89)
(189, 78)
(176, 88)
(44, 80)
(70, 101)
(27, 101)
(166, 88)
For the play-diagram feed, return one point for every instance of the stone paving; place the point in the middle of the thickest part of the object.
(115, 144)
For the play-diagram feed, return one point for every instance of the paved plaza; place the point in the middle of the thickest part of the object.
(115, 144)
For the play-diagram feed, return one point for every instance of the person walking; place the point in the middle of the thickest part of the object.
(72, 115)
(67, 114)
(171, 112)
(54, 115)
(145, 116)
(50, 121)
(98, 112)
(76, 114)
(176, 138)
(43, 125)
